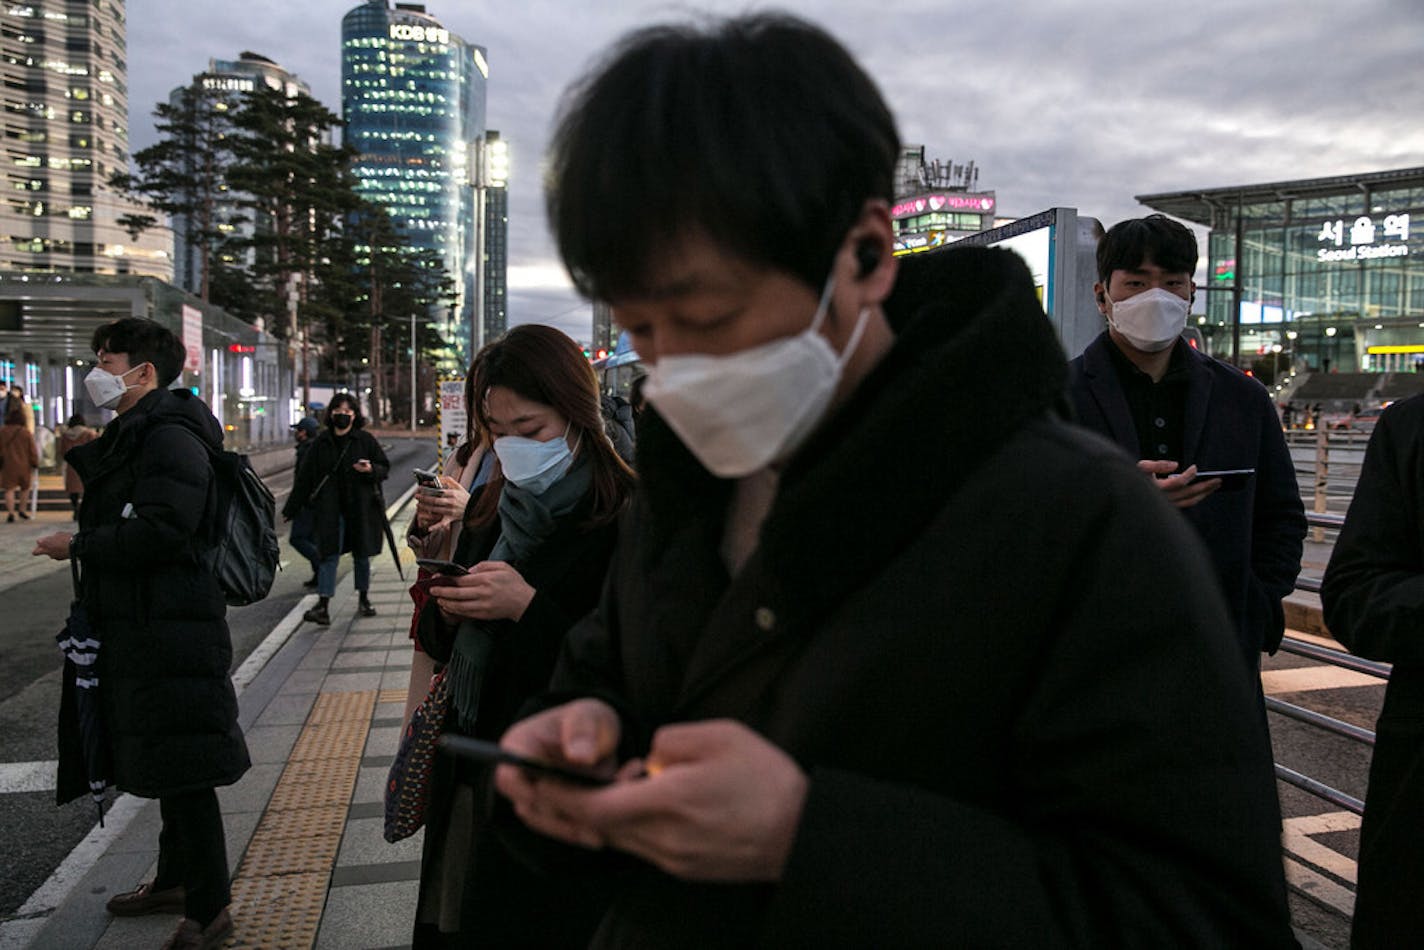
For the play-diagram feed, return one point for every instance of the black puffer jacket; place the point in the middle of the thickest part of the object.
(169, 706)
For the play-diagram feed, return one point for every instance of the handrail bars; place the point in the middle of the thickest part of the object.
(1320, 790)
(1335, 658)
(1329, 724)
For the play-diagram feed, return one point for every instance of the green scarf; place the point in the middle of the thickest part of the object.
(526, 521)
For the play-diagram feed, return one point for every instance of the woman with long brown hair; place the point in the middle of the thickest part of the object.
(536, 538)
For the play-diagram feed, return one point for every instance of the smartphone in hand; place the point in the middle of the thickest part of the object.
(437, 566)
(482, 751)
(1232, 479)
(426, 479)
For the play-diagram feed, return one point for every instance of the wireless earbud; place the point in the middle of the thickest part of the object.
(867, 257)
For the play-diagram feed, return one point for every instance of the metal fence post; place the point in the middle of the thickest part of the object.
(1322, 472)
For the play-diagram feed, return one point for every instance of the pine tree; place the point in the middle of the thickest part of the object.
(184, 174)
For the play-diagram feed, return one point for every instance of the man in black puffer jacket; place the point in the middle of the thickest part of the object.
(169, 708)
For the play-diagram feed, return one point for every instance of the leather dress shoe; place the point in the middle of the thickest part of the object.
(145, 900)
(191, 936)
(317, 615)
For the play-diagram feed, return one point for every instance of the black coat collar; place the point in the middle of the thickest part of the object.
(974, 360)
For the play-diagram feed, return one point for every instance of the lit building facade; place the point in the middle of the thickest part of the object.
(495, 264)
(64, 71)
(1330, 270)
(221, 86)
(413, 99)
(937, 203)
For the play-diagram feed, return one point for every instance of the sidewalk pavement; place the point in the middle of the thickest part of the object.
(321, 708)
(17, 540)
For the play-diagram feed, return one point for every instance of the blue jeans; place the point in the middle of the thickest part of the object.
(303, 538)
(326, 573)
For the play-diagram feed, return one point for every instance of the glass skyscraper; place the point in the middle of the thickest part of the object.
(413, 98)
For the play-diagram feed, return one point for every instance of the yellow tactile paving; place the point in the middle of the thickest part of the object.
(332, 740)
(281, 886)
(321, 782)
(391, 696)
(270, 912)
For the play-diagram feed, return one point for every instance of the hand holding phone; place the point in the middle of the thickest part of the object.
(426, 478)
(482, 751)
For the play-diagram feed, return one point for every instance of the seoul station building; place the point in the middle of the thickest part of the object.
(1331, 270)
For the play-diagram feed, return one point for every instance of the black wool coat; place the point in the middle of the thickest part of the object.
(1256, 534)
(993, 648)
(146, 518)
(347, 493)
(504, 904)
(1373, 595)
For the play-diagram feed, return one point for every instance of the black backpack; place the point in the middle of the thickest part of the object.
(244, 555)
(243, 552)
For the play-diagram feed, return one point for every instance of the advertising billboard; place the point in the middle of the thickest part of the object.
(1060, 249)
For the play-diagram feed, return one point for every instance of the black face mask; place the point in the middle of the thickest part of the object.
(341, 420)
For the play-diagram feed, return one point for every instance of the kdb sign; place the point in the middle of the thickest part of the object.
(1361, 234)
(419, 34)
(929, 204)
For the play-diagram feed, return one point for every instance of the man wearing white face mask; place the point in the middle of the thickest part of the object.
(1181, 413)
(868, 669)
(169, 712)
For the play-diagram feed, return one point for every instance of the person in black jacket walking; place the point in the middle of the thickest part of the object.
(169, 707)
(1373, 595)
(339, 482)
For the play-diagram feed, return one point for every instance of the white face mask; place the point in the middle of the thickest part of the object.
(533, 465)
(105, 389)
(1151, 320)
(740, 412)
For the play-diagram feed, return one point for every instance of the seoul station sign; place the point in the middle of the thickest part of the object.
(1367, 241)
(945, 201)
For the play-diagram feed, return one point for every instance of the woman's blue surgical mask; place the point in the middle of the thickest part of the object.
(533, 465)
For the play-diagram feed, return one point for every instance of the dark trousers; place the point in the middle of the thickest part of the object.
(192, 851)
(303, 538)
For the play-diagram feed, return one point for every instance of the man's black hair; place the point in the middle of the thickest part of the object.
(760, 133)
(143, 341)
(1169, 244)
(349, 400)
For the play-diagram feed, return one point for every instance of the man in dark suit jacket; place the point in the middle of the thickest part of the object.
(1183, 413)
(872, 670)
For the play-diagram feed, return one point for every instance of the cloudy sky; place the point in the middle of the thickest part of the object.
(1079, 103)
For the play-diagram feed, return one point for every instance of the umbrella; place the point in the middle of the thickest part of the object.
(80, 711)
(390, 535)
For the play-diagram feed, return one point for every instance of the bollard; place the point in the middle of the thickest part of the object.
(1322, 472)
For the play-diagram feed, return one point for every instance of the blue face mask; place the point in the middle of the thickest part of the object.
(533, 465)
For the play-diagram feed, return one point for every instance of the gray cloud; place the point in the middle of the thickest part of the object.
(1058, 102)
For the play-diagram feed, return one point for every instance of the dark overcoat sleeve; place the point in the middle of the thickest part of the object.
(1373, 592)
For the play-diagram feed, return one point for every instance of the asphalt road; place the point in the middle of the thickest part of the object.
(36, 835)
